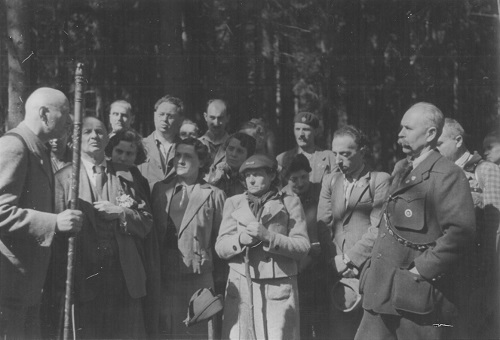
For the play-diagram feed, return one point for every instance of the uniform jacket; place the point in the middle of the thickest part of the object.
(152, 169)
(322, 163)
(27, 221)
(432, 205)
(351, 230)
(199, 226)
(289, 241)
(120, 181)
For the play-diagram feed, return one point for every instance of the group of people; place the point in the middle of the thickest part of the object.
(311, 244)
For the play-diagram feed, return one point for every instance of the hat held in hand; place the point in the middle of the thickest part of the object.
(203, 305)
(345, 295)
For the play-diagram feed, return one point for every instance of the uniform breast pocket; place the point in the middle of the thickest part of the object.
(407, 211)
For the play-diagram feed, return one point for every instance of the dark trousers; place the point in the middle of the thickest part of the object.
(392, 327)
(19, 322)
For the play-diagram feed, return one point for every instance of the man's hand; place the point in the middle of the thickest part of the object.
(415, 271)
(108, 210)
(257, 230)
(343, 269)
(69, 221)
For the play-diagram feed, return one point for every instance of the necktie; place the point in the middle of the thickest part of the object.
(100, 178)
(184, 196)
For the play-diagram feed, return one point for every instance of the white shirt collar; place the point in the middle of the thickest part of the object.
(463, 159)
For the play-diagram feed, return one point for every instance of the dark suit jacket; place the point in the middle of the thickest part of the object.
(27, 221)
(352, 230)
(433, 204)
(152, 168)
(121, 180)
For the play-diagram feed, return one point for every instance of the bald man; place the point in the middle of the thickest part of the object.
(27, 219)
(217, 118)
(410, 284)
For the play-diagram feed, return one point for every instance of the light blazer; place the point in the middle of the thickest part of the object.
(27, 219)
(284, 218)
(152, 169)
(199, 226)
(121, 180)
(351, 230)
(433, 203)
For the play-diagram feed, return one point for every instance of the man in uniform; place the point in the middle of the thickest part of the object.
(484, 182)
(410, 284)
(305, 129)
(159, 145)
(120, 116)
(27, 219)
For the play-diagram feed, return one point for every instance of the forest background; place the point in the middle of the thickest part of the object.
(361, 62)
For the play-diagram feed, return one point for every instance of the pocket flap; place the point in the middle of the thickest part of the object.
(408, 212)
(412, 294)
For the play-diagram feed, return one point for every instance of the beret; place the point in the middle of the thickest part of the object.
(307, 118)
(258, 161)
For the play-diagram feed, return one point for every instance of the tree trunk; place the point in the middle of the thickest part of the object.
(18, 46)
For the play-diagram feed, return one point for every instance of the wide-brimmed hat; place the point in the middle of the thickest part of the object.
(203, 305)
(345, 295)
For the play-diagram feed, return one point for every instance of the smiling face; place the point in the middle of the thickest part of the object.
(119, 117)
(186, 162)
(258, 181)
(94, 137)
(304, 135)
(348, 156)
(167, 118)
(124, 153)
(235, 153)
(216, 117)
(299, 182)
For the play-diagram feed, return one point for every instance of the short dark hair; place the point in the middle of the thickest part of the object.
(200, 149)
(359, 137)
(246, 141)
(172, 100)
(127, 135)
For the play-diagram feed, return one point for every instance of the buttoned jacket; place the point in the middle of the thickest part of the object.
(351, 228)
(199, 227)
(27, 219)
(431, 206)
(322, 163)
(120, 181)
(152, 168)
(289, 243)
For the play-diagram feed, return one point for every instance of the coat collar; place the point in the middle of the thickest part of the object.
(419, 174)
(362, 184)
(244, 215)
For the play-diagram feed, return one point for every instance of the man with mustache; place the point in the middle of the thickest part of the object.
(410, 283)
(159, 145)
(305, 129)
(217, 118)
(110, 277)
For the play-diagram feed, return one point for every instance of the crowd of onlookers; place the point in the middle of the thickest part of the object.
(309, 243)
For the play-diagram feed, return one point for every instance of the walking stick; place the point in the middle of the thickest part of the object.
(251, 331)
(75, 178)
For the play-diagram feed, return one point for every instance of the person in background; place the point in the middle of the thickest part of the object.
(349, 211)
(273, 225)
(60, 148)
(305, 129)
(189, 129)
(491, 147)
(110, 276)
(255, 128)
(28, 221)
(484, 182)
(159, 145)
(410, 284)
(312, 278)
(187, 212)
(225, 175)
(125, 147)
(217, 118)
(120, 116)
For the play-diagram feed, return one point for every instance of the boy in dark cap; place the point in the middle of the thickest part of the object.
(312, 268)
(305, 129)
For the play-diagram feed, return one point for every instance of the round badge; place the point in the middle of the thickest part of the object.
(408, 213)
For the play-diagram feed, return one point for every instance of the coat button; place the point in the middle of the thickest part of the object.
(235, 248)
(379, 256)
(277, 247)
(267, 259)
(382, 235)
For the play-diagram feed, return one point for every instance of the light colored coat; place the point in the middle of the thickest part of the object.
(322, 163)
(27, 219)
(152, 168)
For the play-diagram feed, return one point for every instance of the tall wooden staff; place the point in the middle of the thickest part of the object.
(75, 178)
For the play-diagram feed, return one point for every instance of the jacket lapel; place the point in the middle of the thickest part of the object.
(359, 189)
(198, 196)
(419, 174)
(243, 214)
(271, 209)
(338, 197)
(85, 194)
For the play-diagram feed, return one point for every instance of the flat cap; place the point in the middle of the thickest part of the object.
(259, 161)
(307, 118)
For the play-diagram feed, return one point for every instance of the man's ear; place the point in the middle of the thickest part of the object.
(432, 134)
(42, 112)
(460, 141)
(205, 115)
